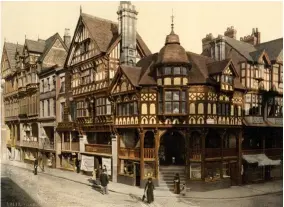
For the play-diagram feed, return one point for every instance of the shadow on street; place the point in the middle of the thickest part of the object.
(13, 195)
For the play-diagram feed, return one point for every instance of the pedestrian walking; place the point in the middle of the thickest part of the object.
(177, 184)
(105, 168)
(104, 182)
(149, 190)
(77, 163)
(35, 166)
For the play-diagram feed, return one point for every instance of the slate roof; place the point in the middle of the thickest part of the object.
(273, 48)
(11, 50)
(132, 73)
(144, 73)
(218, 66)
(244, 48)
(35, 46)
(105, 32)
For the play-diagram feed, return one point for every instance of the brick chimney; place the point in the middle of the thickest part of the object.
(206, 42)
(67, 37)
(253, 39)
(231, 32)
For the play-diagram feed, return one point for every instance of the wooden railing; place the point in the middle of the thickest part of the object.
(33, 144)
(252, 151)
(98, 148)
(229, 152)
(212, 152)
(129, 153)
(73, 147)
(149, 153)
(274, 152)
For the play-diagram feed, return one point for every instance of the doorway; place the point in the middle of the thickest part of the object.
(137, 173)
(172, 149)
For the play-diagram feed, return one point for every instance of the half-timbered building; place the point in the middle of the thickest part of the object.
(97, 48)
(177, 111)
(260, 68)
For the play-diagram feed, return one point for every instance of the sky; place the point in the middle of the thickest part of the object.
(192, 20)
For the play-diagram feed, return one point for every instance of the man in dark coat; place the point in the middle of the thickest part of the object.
(77, 163)
(177, 184)
(104, 181)
(35, 166)
(149, 189)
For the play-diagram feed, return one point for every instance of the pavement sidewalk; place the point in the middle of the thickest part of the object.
(233, 192)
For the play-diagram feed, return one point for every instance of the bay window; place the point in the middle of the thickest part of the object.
(174, 102)
(127, 109)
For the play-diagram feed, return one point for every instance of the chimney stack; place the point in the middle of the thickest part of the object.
(231, 32)
(67, 37)
(206, 42)
(127, 18)
(253, 39)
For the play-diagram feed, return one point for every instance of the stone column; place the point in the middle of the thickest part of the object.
(58, 143)
(114, 147)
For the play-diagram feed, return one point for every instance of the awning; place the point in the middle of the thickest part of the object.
(261, 159)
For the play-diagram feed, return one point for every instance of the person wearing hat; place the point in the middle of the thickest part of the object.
(149, 189)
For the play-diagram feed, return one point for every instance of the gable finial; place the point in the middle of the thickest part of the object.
(25, 37)
(80, 9)
(4, 39)
(172, 25)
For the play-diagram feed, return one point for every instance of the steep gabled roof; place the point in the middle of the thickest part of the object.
(242, 47)
(273, 48)
(11, 50)
(218, 66)
(49, 43)
(132, 73)
(35, 46)
(105, 32)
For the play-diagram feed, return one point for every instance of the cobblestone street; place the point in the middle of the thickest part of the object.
(46, 190)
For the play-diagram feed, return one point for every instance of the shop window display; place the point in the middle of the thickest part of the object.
(149, 170)
(212, 171)
(195, 171)
(126, 167)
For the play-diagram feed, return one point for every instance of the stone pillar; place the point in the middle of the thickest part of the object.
(83, 141)
(58, 144)
(187, 154)
(114, 148)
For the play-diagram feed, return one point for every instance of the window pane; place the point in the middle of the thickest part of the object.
(183, 95)
(183, 107)
(108, 109)
(168, 70)
(135, 108)
(176, 70)
(168, 107)
(176, 95)
(184, 71)
(175, 107)
(168, 95)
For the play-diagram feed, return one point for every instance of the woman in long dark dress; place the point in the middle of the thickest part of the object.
(177, 184)
(149, 189)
